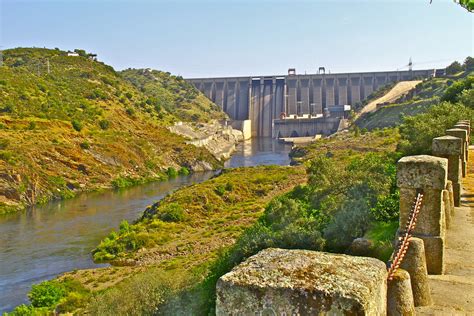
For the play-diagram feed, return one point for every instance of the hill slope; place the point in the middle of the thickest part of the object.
(81, 126)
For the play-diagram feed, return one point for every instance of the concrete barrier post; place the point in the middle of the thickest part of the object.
(460, 133)
(449, 187)
(451, 148)
(399, 295)
(467, 128)
(415, 264)
(303, 282)
(429, 174)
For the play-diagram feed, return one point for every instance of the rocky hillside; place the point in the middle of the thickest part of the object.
(70, 124)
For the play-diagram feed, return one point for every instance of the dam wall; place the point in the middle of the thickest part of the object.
(263, 99)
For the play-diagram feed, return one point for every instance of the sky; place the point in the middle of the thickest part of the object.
(220, 38)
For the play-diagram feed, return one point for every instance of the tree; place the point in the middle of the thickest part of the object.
(468, 63)
(454, 68)
(467, 4)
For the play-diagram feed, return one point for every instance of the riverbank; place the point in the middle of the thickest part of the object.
(66, 231)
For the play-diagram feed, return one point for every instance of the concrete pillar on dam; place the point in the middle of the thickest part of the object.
(219, 94)
(330, 92)
(291, 86)
(304, 86)
(317, 84)
(342, 91)
(231, 99)
(380, 81)
(208, 86)
(368, 82)
(243, 98)
(255, 106)
(279, 97)
(355, 90)
(265, 124)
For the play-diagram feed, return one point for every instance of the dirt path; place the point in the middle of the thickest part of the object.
(397, 91)
(453, 292)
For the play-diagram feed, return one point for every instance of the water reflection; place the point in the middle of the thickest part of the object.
(58, 237)
(260, 151)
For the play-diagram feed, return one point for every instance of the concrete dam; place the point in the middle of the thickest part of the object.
(296, 105)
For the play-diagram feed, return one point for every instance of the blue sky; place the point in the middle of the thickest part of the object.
(204, 38)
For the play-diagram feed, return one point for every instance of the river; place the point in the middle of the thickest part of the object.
(57, 237)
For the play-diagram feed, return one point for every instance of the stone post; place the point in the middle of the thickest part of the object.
(429, 174)
(415, 264)
(303, 282)
(460, 133)
(467, 128)
(451, 148)
(449, 187)
(399, 295)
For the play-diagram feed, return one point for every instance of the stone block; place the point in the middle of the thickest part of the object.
(450, 189)
(302, 282)
(422, 172)
(415, 264)
(447, 208)
(447, 146)
(461, 133)
(399, 295)
(430, 219)
(434, 251)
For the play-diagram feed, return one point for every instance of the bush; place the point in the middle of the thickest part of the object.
(77, 125)
(171, 212)
(85, 145)
(417, 132)
(130, 111)
(32, 126)
(171, 172)
(104, 124)
(184, 171)
(46, 294)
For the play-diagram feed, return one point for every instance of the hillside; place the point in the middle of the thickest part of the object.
(70, 124)
(173, 95)
(425, 95)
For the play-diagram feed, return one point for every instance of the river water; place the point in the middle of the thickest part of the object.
(57, 237)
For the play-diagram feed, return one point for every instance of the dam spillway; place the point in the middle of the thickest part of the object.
(266, 100)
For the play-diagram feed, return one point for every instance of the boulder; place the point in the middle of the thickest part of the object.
(303, 282)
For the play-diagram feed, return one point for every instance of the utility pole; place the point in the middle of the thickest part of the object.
(47, 64)
(1, 56)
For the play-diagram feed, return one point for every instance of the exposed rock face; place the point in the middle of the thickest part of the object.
(303, 282)
(220, 140)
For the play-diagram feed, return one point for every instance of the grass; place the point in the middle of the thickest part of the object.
(169, 250)
(75, 122)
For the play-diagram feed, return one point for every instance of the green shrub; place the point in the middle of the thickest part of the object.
(46, 294)
(85, 145)
(171, 172)
(32, 125)
(183, 171)
(130, 111)
(220, 190)
(104, 124)
(171, 212)
(77, 125)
